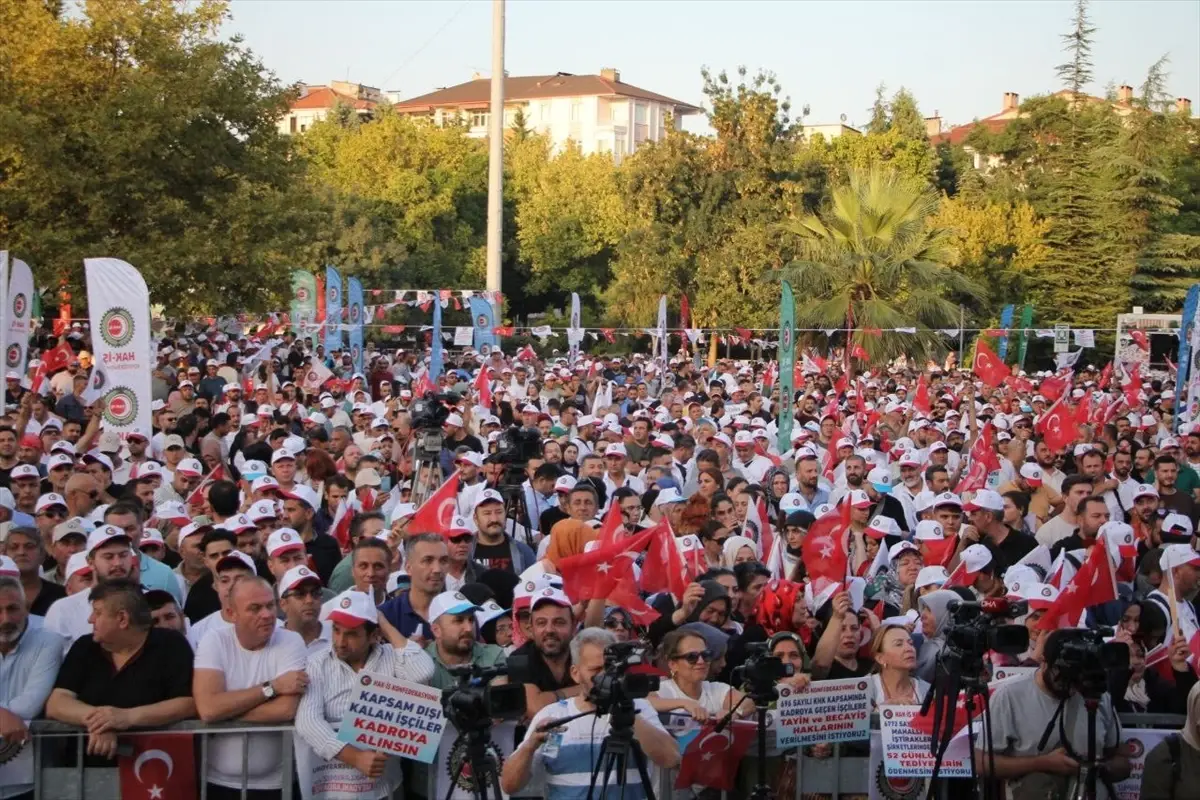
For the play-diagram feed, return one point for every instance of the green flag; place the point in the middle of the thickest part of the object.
(1026, 322)
(787, 362)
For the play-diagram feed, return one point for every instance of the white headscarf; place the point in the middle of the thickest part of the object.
(731, 547)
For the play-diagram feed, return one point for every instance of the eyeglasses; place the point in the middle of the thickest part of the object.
(616, 623)
(694, 657)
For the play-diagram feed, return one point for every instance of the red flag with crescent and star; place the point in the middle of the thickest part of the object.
(824, 550)
(599, 572)
(160, 767)
(435, 513)
(1057, 426)
(711, 758)
(988, 366)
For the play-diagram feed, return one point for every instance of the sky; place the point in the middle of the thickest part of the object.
(958, 57)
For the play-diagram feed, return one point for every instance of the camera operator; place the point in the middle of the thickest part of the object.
(562, 759)
(455, 435)
(1021, 710)
(452, 617)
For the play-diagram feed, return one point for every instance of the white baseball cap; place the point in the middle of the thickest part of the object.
(1032, 473)
(293, 577)
(195, 528)
(565, 483)
(59, 460)
(900, 548)
(881, 479)
(402, 511)
(103, 535)
(947, 499)
(1144, 490)
(487, 612)
(615, 449)
(985, 500)
(305, 494)
(929, 530)
(1177, 521)
(25, 472)
(1177, 555)
(550, 594)
(450, 603)
(471, 457)
(283, 540)
(668, 496)
(173, 512)
(75, 526)
(487, 496)
(934, 575)
(350, 609)
(190, 467)
(76, 564)
(49, 500)
(282, 454)
(237, 558)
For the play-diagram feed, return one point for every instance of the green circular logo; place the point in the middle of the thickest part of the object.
(120, 406)
(116, 327)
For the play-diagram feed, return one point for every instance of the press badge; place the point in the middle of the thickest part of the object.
(551, 745)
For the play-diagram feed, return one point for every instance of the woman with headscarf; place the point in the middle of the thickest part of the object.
(1172, 768)
(736, 550)
(568, 537)
(935, 621)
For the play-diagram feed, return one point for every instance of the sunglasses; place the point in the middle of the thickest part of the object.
(54, 512)
(466, 537)
(694, 657)
(616, 624)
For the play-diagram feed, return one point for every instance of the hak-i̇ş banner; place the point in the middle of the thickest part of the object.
(304, 304)
(333, 310)
(787, 364)
(1193, 380)
(484, 317)
(662, 336)
(435, 355)
(20, 307)
(575, 331)
(5, 313)
(354, 296)
(119, 313)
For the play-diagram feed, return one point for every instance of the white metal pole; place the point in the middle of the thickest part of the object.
(495, 227)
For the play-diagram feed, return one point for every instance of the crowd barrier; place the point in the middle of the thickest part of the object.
(54, 743)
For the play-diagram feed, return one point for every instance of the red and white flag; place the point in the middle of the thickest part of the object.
(1095, 583)
(158, 767)
(435, 513)
(711, 758)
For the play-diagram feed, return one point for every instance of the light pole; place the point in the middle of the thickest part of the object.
(495, 226)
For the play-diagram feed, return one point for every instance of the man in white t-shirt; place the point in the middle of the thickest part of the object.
(252, 672)
(110, 554)
(557, 761)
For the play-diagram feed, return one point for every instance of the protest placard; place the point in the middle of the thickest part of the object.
(1001, 674)
(394, 717)
(824, 712)
(463, 336)
(906, 751)
(1139, 742)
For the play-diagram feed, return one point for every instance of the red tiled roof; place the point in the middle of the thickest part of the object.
(959, 133)
(324, 97)
(478, 92)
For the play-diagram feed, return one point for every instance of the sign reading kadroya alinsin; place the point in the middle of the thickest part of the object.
(119, 312)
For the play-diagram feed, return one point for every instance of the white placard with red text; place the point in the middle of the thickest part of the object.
(823, 713)
(906, 751)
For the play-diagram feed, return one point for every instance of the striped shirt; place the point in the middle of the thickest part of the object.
(332, 684)
(563, 763)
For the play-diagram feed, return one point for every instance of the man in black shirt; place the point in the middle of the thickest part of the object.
(300, 508)
(1093, 513)
(986, 511)
(125, 674)
(549, 651)
(24, 547)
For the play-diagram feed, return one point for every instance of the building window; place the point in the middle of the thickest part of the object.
(619, 147)
(303, 128)
(479, 119)
(543, 112)
(576, 110)
(292, 123)
(639, 113)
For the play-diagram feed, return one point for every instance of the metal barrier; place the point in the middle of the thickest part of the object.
(81, 782)
(830, 776)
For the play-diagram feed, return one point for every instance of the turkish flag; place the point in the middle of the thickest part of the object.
(1095, 583)
(57, 358)
(743, 334)
(596, 573)
(859, 352)
(921, 396)
(160, 767)
(435, 513)
(988, 366)
(483, 385)
(685, 313)
(340, 528)
(663, 570)
(1083, 412)
(1134, 387)
(711, 759)
(200, 493)
(937, 551)
(609, 335)
(824, 551)
(1052, 388)
(758, 528)
(1057, 427)
(503, 330)
(1105, 375)
(1139, 338)
(974, 479)
(982, 450)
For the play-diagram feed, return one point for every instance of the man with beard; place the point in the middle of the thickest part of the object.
(854, 472)
(110, 554)
(1047, 460)
(553, 625)
(363, 641)
(31, 658)
(1144, 518)
(808, 479)
(494, 548)
(1170, 496)
(452, 617)
(878, 487)
(1120, 489)
(911, 482)
(987, 524)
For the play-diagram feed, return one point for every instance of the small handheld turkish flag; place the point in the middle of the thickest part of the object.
(988, 366)
(435, 513)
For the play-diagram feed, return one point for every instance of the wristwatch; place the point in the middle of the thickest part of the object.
(268, 690)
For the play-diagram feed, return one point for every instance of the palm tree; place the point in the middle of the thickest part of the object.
(873, 259)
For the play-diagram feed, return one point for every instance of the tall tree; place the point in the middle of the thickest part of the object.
(874, 258)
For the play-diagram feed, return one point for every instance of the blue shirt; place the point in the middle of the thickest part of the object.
(157, 575)
(399, 612)
(27, 675)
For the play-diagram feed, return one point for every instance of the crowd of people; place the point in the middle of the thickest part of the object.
(251, 554)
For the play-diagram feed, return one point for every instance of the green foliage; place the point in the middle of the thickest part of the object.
(130, 129)
(874, 256)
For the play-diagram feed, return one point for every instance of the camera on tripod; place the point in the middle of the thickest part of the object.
(761, 671)
(1085, 659)
(517, 445)
(616, 687)
(429, 413)
(979, 627)
(473, 702)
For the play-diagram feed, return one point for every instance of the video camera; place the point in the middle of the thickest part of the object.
(979, 627)
(517, 445)
(428, 414)
(473, 702)
(1084, 659)
(616, 687)
(761, 671)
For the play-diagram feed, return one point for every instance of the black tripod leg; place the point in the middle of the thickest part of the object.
(639, 758)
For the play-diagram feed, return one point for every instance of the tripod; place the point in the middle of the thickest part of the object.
(1083, 785)
(484, 768)
(421, 489)
(615, 751)
(955, 676)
